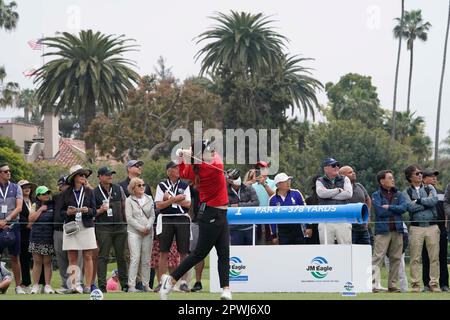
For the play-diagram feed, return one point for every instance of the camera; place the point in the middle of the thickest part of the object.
(233, 174)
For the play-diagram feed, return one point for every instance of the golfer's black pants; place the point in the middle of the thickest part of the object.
(213, 232)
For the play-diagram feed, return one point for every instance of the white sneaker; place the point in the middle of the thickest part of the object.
(48, 289)
(77, 289)
(166, 286)
(19, 290)
(226, 295)
(35, 289)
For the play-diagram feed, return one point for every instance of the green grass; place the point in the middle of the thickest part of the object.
(205, 295)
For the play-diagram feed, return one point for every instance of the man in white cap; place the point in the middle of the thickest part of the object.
(285, 196)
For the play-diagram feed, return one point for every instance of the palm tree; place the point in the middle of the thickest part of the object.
(301, 86)
(445, 150)
(27, 101)
(8, 90)
(242, 43)
(88, 74)
(394, 105)
(8, 17)
(438, 116)
(412, 28)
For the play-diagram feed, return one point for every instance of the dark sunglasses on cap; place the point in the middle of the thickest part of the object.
(334, 165)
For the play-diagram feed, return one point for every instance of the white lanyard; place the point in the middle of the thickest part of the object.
(79, 200)
(27, 203)
(4, 195)
(173, 192)
(173, 187)
(103, 194)
(238, 193)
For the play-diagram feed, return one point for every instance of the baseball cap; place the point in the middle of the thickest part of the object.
(281, 177)
(329, 161)
(62, 181)
(171, 164)
(105, 170)
(132, 163)
(42, 190)
(261, 164)
(429, 173)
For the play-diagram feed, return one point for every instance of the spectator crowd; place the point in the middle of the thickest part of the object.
(149, 234)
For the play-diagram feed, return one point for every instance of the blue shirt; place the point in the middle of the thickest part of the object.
(261, 192)
(293, 198)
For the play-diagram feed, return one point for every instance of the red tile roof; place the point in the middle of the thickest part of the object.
(71, 152)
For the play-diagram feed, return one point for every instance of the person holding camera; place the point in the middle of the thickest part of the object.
(265, 188)
(421, 201)
(173, 199)
(110, 226)
(207, 172)
(77, 207)
(240, 195)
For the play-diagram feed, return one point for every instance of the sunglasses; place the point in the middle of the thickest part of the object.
(418, 173)
(141, 185)
(44, 194)
(334, 165)
(6, 171)
(82, 175)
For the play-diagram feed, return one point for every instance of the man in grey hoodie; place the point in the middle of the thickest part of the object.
(421, 204)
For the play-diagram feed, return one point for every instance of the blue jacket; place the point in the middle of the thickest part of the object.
(383, 216)
(421, 205)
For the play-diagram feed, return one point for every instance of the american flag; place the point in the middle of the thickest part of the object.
(29, 72)
(35, 44)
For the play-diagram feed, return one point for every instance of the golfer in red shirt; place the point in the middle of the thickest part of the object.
(210, 181)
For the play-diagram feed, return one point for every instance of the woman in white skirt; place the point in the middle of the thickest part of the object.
(140, 215)
(78, 209)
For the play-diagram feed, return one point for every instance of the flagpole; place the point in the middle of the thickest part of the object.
(42, 45)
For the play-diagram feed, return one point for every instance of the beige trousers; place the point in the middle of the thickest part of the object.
(391, 244)
(417, 236)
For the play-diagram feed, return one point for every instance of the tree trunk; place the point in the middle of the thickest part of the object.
(394, 105)
(410, 75)
(89, 111)
(438, 115)
(26, 114)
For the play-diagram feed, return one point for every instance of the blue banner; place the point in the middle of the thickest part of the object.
(347, 213)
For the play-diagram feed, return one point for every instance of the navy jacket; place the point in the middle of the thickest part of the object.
(42, 228)
(383, 216)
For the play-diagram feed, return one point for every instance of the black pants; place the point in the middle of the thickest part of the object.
(213, 232)
(443, 270)
(107, 238)
(25, 257)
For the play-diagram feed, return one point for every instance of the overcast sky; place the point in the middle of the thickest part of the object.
(342, 36)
